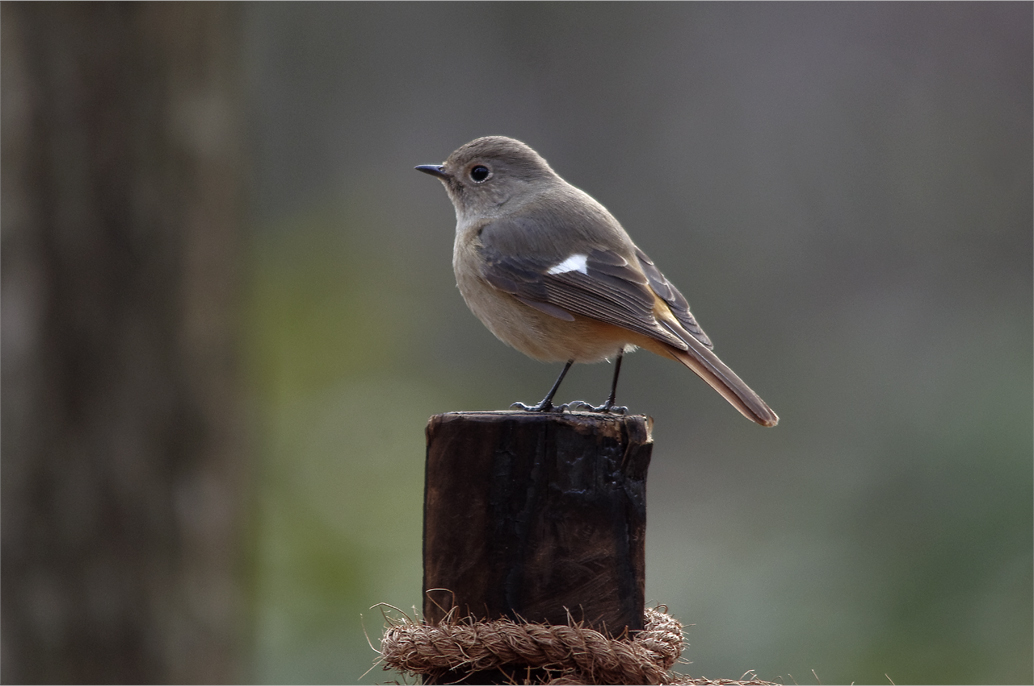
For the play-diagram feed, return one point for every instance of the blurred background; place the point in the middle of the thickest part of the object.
(228, 310)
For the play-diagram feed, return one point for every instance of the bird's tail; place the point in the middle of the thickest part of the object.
(712, 370)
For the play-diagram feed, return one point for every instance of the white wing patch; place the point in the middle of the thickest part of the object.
(574, 263)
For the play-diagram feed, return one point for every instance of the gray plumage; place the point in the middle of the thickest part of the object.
(552, 273)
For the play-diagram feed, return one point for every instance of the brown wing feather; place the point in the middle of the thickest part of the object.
(608, 291)
(518, 253)
(675, 300)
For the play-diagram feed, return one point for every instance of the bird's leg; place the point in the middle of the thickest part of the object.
(547, 403)
(609, 405)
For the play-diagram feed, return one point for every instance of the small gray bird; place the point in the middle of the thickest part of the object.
(552, 273)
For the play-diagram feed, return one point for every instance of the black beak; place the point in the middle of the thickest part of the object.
(433, 170)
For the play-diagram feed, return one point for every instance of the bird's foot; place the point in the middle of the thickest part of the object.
(544, 406)
(606, 408)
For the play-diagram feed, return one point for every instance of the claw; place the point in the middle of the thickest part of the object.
(605, 408)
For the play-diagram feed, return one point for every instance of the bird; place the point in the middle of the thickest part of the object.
(550, 272)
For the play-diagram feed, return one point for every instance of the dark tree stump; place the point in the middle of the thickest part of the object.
(536, 515)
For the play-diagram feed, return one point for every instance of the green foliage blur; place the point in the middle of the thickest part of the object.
(842, 191)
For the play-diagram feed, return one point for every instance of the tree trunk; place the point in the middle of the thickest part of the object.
(122, 472)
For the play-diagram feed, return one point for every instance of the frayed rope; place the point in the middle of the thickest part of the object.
(561, 654)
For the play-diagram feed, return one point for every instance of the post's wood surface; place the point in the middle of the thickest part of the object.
(536, 515)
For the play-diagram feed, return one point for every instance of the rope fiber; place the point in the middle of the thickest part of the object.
(542, 653)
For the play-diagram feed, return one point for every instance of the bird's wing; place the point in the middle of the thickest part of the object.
(597, 283)
(594, 287)
(670, 295)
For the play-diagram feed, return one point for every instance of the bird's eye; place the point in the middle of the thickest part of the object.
(479, 173)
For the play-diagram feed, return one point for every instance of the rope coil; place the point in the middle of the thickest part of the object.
(565, 653)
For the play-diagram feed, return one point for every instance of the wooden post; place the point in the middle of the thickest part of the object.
(536, 516)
